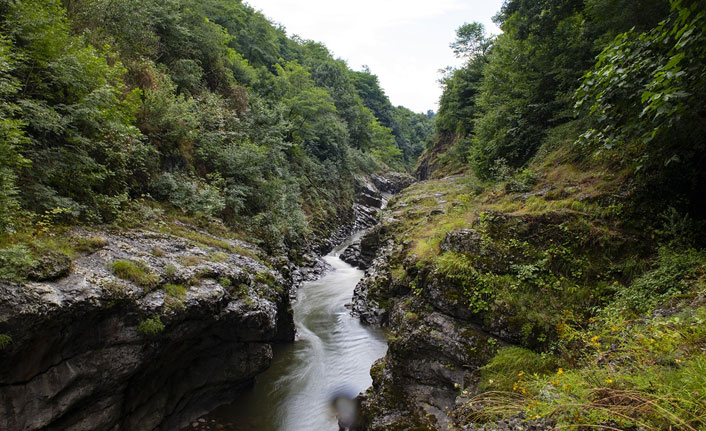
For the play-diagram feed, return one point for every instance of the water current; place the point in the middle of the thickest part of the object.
(332, 354)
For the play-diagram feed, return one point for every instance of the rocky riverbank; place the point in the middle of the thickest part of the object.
(457, 281)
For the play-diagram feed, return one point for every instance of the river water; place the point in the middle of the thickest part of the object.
(332, 354)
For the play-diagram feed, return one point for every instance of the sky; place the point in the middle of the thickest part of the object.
(403, 42)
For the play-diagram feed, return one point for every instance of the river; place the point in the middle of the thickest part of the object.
(332, 353)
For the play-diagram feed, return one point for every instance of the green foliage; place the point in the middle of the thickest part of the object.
(458, 106)
(175, 290)
(673, 275)
(190, 194)
(512, 366)
(135, 271)
(151, 326)
(12, 138)
(479, 289)
(470, 40)
(5, 341)
(203, 104)
(78, 115)
(644, 100)
(15, 261)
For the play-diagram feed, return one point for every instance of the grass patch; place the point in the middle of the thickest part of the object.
(174, 296)
(170, 270)
(89, 245)
(151, 326)
(175, 291)
(512, 366)
(135, 271)
(190, 260)
(648, 374)
(218, 257)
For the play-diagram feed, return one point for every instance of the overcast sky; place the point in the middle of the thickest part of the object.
(404, 42)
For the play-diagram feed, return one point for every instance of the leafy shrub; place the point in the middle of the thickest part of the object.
(644, 100)
(15, 261)
(151, 326)
(523, 181)
(674, 274)
(189, 193)
(135, 271)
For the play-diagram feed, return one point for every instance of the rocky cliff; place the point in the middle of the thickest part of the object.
(144, 332)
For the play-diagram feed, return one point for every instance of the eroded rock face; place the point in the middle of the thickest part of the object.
(82, 356)
(392, 182)
(428, 364)
(376, 284)
(363, 251)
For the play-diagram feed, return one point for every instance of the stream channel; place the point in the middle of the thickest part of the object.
(332, 354)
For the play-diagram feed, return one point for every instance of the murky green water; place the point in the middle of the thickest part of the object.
(333, 353)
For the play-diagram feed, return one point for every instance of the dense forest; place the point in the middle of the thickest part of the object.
(623, 80)
(118, 107)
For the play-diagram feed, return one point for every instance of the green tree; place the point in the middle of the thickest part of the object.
(12, 138)
(645, 100)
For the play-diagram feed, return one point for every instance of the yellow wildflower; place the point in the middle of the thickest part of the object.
(609, 381)
(560, 372)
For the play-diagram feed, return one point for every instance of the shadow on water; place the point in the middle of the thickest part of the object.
(332, 354)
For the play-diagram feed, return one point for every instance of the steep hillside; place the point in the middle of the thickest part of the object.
(205, 107)
(533, 299)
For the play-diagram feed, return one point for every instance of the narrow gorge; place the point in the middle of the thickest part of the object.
(210, 222)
